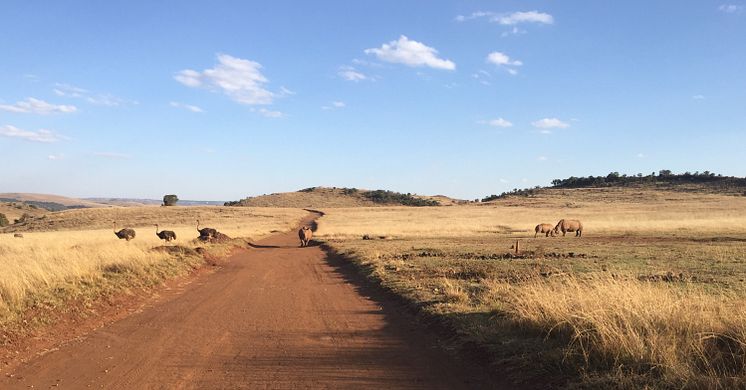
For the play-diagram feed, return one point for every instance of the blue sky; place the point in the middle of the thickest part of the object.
(220, 100)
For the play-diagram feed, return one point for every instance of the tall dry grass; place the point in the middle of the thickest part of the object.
(59, 264)
(686, 336)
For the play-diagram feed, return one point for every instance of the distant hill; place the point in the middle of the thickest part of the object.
(48, 201)
(325, 197)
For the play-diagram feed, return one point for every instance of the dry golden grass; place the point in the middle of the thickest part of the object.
(675, 214)
(68, 261)
(690, 337)
(652, 296)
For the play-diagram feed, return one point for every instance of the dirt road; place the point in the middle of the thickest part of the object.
(275, 316)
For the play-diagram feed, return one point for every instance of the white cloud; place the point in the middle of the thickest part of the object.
(271, 114)
(499, 122)
(36, 106)
(410, 53)
(510, 19)
(698, 97)
(503, 60)
(351, 74)
(730, 8)
(55, 157)
(334, 105)
(113, 155)
(186, 107)
(43, 135)
(108, 100)
(550, 123)
(239, 79)
(542, 158)
(504, 181)
(523, 17)
(640, 155)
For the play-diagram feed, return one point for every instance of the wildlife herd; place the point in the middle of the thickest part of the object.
(564, 226)
(205, 234)
(166, 235)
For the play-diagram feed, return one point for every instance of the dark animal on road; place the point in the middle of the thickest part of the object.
(305, 235)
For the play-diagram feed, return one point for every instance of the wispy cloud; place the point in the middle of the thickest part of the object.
(503, 60)
(547, 124)
(640, 155)
(483, 77)
(499, 122)
(334, 105)
(239, 79)
(510, 19)
(98, 99)
(188, 107)
(351, 74)
(698, 97)
(43, 135)
(731, 8)
(270, 114)
(32, 77)
(113, 155)
(37, 106)
(542, 158)
(411, 53)
(55, 157)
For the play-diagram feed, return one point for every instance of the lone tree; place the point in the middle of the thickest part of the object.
(3, 220)
(170, 200)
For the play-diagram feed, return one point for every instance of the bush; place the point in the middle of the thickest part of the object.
(170, 200)
(3, 220)
(391, 197)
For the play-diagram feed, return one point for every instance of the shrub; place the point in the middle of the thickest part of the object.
(3, 220)
(391, 197)
(170, 200)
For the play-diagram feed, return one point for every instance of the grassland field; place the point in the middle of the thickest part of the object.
(650, 297)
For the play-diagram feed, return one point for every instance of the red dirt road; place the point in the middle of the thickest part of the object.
(275, 316)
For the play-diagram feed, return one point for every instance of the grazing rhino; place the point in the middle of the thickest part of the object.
(569, 225)
(305, 235)
(544, 228)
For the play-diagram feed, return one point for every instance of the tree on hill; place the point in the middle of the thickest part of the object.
(170, 200)
(3, 220)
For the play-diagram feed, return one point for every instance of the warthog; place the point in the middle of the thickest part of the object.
(305, 235)
(569, 225)
(544, 228)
